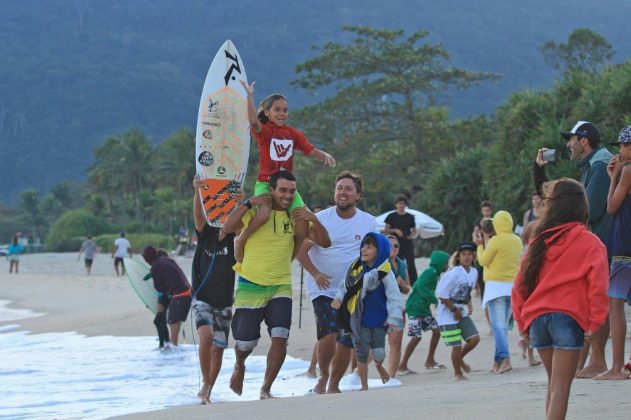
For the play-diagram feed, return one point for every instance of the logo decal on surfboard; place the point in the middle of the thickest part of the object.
(236, 66)
(206, 158)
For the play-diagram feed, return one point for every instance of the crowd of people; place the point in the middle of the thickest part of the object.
(563, 283)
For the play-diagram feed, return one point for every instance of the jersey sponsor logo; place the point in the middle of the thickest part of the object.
(281, 150)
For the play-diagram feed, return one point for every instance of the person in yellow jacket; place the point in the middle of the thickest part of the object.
(500, 258)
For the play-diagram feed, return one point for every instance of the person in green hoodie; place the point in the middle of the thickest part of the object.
(500, 258)
(420, 315)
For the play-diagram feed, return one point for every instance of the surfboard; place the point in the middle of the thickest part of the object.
(222, 139)
(136, 271)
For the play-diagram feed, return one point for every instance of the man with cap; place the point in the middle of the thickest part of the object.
(584, 143)
(619, 246)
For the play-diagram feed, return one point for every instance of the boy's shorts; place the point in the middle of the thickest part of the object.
(620, 278)
(263, 188)
(453, 334)
(416, 324)
(556, 330)
(217, 318)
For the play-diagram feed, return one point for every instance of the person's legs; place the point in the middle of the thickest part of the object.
(326, 327)
(470, 335)
(564, 363)
(339, 363)
(362, 348)
(456, 361)
(326, 351)
(546, 358)
(431, 362)
(498, 308)
(160, 321)
(409, 349)
(378, 351)
(394, 341)
(313, 365)
(205, 333)
(175, 332)
(409, 259)
(618, 335)
(277, 316)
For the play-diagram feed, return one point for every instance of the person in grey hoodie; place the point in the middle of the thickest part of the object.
(369, 303)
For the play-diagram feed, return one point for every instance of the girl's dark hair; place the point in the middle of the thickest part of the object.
(266, 105)
(565, 202)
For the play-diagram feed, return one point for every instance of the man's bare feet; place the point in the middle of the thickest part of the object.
(320, 387)
(505, 366)
(383, 373)
(236, 380)
(534, 362)
(590, 372)
(311, 374)
(465, 367)
(266, 395)
(495, 368)
(333, 390)
(461, 377)
(204, 394)
(612, 375)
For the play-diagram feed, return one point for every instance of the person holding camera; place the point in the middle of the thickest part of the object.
(584, 143)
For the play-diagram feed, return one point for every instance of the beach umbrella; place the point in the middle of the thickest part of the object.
(426, 226)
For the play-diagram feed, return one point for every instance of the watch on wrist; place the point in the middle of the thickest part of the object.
(247, 203)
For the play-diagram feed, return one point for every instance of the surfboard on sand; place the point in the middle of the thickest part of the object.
(136, 271)
(222, 139)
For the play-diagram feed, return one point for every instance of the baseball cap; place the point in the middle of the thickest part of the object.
(583, 129)
(466, 246)
(624, 137)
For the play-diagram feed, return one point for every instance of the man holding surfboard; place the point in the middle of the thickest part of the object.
(264, 286)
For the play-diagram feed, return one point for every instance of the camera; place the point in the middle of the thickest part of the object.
(549, 155)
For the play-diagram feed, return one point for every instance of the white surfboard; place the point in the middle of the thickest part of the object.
(136, 271)
(222, 140)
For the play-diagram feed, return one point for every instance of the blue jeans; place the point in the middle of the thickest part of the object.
(556, 330)
(500, 312)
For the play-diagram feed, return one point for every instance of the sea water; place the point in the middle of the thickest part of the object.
(70, 375)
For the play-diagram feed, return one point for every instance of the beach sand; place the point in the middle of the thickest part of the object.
(102, 304)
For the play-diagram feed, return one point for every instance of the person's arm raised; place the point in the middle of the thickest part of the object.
(252, 114)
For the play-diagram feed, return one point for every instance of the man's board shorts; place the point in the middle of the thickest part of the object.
(453, 334)
(417, 324)
(261, 188)
(179, 305)
(217, 318)
(620, 278)
(14, 258)
(88, 262)
(119, 260)
(556, 330)
(255, 303)
(325, 315)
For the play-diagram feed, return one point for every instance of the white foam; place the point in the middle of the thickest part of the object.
(12, 314)
(69, 375)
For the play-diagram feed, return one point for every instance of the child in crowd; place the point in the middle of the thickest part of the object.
(619, 242)
(454, 322)
(368, 303)
(276, 143)
(420, 316)
(500, 257)
(560, 293)
(395, 338)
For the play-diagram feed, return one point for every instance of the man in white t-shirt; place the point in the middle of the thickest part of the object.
(326, 270)
(122, 249)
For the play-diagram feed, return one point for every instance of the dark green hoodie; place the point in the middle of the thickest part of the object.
(422, 295)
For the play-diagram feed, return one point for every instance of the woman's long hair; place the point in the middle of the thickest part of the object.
(565, 202)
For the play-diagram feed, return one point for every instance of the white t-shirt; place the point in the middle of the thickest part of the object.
(123, 245)
(346, 236)
(495, 289)
(455, 284)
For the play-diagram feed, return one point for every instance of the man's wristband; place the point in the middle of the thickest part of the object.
(247, 203)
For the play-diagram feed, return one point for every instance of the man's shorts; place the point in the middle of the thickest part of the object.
(325, 316)
(255, 303)
(453, 334)
(218, 319)
(620, 278)
(556, 330)
(263, 188)
(178, 309)
(88, 262)
(416, 324)
(119, 260)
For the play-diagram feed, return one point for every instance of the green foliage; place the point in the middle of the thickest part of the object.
(585, 51)
(138, 241)
(72, 227)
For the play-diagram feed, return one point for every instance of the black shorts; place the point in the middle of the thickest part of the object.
(246, 322)
(119, 260)
(325, 316)
(88, 262)
(178, 309)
